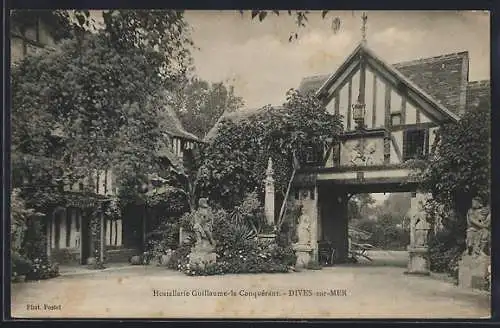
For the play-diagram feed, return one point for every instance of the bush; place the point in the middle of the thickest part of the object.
(21, 266)
(445, 252)
(251, 258)
(161, 239)
(237, 248)
(43, 269)
(180, 257)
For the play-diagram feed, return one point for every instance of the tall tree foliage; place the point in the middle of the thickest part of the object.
(458, 169)
(161, 36)
(199, 104)
(236, 159)
(460, 164)
(85, 106)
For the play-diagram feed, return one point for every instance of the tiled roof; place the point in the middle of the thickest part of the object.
(442, 77)
(478, 94)
(173, 126)
(236, 116)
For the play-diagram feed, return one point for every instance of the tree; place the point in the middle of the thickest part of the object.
(359, 206)
(300, 16)
(161, 36)
(84, 107)
(236, 159)
(199, 104)
(458, 169)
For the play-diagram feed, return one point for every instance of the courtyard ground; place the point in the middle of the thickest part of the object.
(376, 290)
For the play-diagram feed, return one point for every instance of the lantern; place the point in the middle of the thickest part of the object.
(358, 114)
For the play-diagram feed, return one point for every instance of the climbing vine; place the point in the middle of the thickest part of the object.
(235, 161)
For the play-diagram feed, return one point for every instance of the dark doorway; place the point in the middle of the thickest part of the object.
(85, 238)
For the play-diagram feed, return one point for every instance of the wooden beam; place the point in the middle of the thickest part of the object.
(413, 97)
(387, 106)
(417, 117)
(403, 109)
(337, 103)
(362, 81)
(341, 81)
(387, 124)
(349, 104)
(396, 148)
(424, 125)
(374, 111)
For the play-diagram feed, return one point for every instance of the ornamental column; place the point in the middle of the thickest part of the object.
(269, 194)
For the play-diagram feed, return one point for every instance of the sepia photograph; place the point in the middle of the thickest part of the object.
(255, 164)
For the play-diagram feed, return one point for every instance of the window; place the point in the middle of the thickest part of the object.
(113, 232)
(415, 144)
(395, 119)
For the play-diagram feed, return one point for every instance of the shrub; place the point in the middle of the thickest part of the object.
(43, 269)
(161, 239)
(180, 257)
(445, 252)
(251, 258)
(21, 266)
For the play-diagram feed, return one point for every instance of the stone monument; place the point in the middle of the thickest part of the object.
(269, 200)
(474, 267)
(203, 252)
(418, 249)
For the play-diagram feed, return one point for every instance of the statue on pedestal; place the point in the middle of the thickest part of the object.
(478, 228)
(202, 226)
(203, 251)
(420, 227)
(304, 230)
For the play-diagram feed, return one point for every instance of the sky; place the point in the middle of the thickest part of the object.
(257, 58)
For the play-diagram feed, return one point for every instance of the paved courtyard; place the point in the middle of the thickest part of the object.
(354, 291)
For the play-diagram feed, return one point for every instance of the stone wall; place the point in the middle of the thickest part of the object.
(120, 255)
(65, 256)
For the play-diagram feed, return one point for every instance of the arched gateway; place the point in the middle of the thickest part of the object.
(388, 119)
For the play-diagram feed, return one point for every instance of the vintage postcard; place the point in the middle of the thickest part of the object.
(250, 164)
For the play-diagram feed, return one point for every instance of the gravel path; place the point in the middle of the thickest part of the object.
(339, 292)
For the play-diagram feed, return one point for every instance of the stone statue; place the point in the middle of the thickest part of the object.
(203, 251)
(420, 227)
(421, 231)
(304, 230)
(203, 220)
(478, 228)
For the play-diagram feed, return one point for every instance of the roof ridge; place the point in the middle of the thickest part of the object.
(433, 58)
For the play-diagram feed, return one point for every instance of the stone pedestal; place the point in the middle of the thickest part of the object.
(266, 237)
(304, 255)
(418, 262)
(473, 271)
(202, 254)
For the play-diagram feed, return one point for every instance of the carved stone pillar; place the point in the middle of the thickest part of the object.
(418, 250)
(269, 194)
